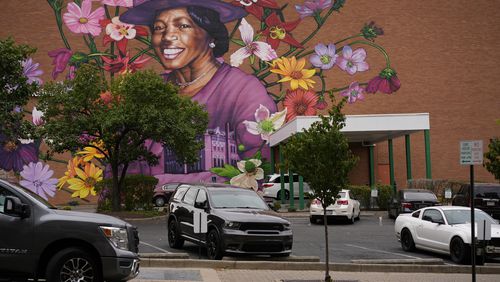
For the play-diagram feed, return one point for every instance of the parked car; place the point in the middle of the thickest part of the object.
(409, 200)
(445, 230)
(345, 206)
(486, 198)
(163, 193)
(272, 186)
(238, 221)
(38, 241)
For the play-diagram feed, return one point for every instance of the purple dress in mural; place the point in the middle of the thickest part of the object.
(230, 97)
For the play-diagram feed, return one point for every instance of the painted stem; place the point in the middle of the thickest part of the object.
(376, 46)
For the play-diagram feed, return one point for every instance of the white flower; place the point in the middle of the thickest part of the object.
(251, 172)
(37, 117)
(258, 48)
(118, 30)
(264, 124)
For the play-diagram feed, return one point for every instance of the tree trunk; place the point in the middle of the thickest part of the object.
(327, 257)
(115, 195)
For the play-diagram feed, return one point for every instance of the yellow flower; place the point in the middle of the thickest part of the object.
(92, 152)
(293, 71)
(70, 173)
(86, 181)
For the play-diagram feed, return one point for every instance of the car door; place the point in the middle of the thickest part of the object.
(434, 232)
(186, 217)
(201, 200)
(16, 238)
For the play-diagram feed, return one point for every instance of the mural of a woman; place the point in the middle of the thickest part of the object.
(188, 36)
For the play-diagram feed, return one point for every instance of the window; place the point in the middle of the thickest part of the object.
(416, 214)
(3, 193)
(202, 197)
(180, 193)
(433, 216)
(190, 196)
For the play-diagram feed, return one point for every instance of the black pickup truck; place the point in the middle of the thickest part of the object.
(38, 241)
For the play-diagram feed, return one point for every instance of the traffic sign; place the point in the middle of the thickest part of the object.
(471, 152)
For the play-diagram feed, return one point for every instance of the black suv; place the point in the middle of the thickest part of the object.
(409, 200)
(38, 241)
(238, 221)
(486, 198)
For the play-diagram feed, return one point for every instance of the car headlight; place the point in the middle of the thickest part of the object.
(287, 226)
(117, 236)
(232, 225)
(164, 187)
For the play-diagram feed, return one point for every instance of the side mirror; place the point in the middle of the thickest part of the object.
(201, 205)
(14, 206)
(271, 206)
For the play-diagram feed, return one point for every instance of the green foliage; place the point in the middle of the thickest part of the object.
(137, 193)
(14, 89)
(139, 107)
(492, 162)
(362, 193)
(321, 155)
(228, 171)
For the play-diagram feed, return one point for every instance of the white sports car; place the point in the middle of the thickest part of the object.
(345, 207)
(446, 230)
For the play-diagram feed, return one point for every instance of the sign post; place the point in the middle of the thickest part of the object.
(471, 153)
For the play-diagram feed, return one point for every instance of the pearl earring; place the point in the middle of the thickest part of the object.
(211, 45)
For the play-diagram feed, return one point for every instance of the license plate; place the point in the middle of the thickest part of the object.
(490, 203)
(329, 212)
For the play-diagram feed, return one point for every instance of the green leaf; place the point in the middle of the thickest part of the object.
(228, 171)
(238, 42)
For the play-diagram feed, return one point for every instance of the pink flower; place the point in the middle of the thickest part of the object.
(37, 117)
(321, 104)
(260, 49)
(120, 32)
(386, 82)
(352, 62)
(31, 71)
(354, 93)
(61, 58)
(312, 7)
(265, 123)
(300, 103)
(82, 20)
(122, 3)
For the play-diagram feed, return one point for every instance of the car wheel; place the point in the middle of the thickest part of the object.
(359, 214)
(160, 201)
(73, 264)
(353, 218)
(287, 195)
(391, 216)
(214, 245)
(407, 242)
(459, 252)
(312, 220)
(174, 238)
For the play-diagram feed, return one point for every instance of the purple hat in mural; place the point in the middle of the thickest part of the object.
(144, 11)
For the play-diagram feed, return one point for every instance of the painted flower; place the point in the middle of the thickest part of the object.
(119, 32)
(37, 117)
(85, 138)
(84, 184)
(256, 7)
(82, 20)
(60, 60)
(324, 56)
(300, 103)
(354, 93)
(352, 62)
(120, 3)
(278, 31)
(293, 71)
(93, 152)
(321, 104)
(386, 82)
(121, 65)
(37, 178)
(70, 172)
(260, 49)
(250, 173)
(31, 71)
(370, 31)
(314, 7)
(14, 154)
(265, 123)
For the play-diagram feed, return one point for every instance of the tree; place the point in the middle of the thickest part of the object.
(321, 154)
(493, 158)
(116, 122)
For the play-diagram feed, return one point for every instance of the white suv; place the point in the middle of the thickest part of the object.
(272, 186)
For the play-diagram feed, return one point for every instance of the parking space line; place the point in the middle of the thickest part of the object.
(369, 249)
(154, 247)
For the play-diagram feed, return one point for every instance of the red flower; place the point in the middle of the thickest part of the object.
(120, 33)
(121, 65)
(277, 31)
(256, 8)
(300, 103)
(386, 82)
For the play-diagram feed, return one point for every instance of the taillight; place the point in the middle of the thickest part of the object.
(342, 202)
(316, 202)
(267, 185)
(406, 205)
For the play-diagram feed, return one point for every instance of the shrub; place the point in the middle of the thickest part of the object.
(362, 193)
(137, 193)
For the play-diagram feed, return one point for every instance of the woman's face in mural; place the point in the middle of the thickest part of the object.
(177, 40)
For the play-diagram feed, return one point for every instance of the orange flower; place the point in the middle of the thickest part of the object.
(300, 103)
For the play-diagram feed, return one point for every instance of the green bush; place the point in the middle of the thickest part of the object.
(137, 193)
(362, 193)
(384, 194)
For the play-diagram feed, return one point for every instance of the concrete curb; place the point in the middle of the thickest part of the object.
(345, 267)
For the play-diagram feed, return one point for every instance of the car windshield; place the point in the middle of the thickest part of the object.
(419, 196)
(226, 199)
(463, 216)
(341, 195)
(488, 192)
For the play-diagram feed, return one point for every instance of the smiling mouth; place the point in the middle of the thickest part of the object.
(171, 53)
